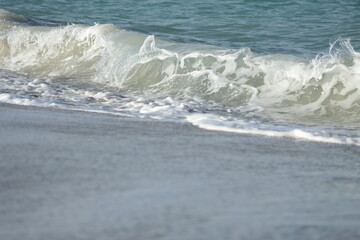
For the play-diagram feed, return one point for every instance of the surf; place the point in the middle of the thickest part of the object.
(202, 78)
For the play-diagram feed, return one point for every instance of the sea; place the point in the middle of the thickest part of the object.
(274, 68)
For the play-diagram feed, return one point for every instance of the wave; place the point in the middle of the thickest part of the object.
(325, 88)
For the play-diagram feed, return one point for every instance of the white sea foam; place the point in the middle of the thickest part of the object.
(219, 123)
(102, 68)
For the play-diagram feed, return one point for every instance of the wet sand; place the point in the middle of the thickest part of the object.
(75, 175)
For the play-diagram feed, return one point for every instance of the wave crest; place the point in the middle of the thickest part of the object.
(131, 62)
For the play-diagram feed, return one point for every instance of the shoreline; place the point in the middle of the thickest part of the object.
(77, 175)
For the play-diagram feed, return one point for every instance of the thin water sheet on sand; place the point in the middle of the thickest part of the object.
(75, 175)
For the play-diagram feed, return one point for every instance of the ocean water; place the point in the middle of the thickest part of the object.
(266, 67)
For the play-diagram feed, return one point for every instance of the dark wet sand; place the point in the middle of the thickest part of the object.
(74, 175)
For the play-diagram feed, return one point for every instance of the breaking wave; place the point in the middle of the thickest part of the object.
(324, 89)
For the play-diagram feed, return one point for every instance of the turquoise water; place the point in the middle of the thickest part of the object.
(274, 68)
(302, 27)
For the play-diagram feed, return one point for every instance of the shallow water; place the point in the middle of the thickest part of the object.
(257, 67)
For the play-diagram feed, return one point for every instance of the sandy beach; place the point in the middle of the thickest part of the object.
(75, 175)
